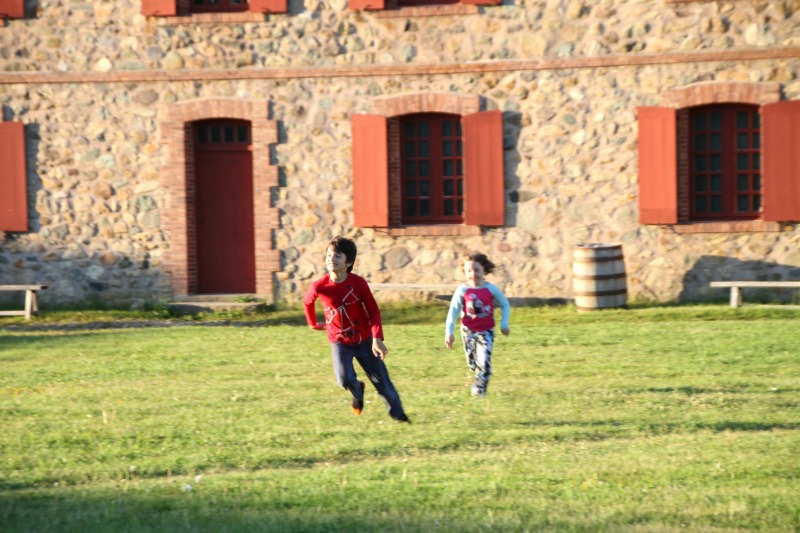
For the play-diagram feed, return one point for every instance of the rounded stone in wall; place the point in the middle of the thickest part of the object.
(397, 258)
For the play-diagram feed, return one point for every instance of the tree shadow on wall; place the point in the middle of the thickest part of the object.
(721, 268)
(512, 126)
(97, 277)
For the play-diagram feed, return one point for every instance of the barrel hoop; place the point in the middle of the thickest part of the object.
(600, 277)
(598, 259)
(603, 293)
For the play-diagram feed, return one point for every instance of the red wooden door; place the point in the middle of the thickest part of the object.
(224, 207)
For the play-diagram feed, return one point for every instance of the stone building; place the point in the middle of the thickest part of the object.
(153, 149)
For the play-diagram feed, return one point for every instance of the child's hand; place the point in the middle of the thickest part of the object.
(379, 349)
(448, 341)
(318, 326)
(506, 331)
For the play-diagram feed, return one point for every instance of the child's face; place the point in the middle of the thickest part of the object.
(336, 261)
(473, 271)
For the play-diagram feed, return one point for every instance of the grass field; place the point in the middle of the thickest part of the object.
(639, 420)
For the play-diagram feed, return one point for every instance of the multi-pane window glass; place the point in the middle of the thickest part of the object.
(432, 169)
(221, 133)
(408, 3)
(199, 6)
(725, 162)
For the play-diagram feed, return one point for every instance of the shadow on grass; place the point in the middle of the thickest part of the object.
(246, 509)
(609, 429)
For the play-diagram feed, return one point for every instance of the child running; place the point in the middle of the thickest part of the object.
(353, 323)
(474, 301)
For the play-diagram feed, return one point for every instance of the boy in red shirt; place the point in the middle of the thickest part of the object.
(353, 323)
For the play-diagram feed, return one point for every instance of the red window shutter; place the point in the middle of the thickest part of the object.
(370, 171)
(13, 190)
(159, 8)
(658, 166)
(13, 9)
(367, 4)
(484, 177)
(780, 149)
(268, 6)
(482, 2)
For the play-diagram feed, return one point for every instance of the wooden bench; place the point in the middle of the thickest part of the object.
(31, 303)
(736, 287)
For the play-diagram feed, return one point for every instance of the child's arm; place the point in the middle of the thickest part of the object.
(378, 348)
(452, 315)
(310, 310)
(501, 300)
(373, 312)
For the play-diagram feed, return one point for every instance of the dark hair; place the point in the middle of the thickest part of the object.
(487, 265)
(347, 247)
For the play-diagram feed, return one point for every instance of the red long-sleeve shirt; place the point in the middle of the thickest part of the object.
(351, 312)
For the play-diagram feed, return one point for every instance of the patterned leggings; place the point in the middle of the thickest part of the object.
(478, 350)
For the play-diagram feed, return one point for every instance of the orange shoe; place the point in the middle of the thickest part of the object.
(357, 404)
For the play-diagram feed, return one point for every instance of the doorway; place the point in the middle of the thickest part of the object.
(224, 220)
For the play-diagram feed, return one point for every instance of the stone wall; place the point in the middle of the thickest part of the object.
(94, 82)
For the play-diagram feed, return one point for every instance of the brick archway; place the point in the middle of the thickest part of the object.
(177, 182)
(716, 92)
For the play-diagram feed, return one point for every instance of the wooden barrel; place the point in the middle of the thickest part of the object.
(598, 274)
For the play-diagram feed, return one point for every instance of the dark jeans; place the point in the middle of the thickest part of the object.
(375, 369)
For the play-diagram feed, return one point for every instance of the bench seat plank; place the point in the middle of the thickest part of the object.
(736, 287)
(765, 284)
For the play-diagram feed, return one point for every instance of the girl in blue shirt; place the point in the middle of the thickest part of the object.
(474, 301)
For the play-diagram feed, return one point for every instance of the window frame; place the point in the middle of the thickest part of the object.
(436, 159)
(178, 10)
(381, 5)
(224, 6)
(727, 154)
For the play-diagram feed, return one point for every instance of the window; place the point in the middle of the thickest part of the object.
(165, 8)
(742, 163)
(221, 134)
(407, 3)
(203, 6)
(427, 169)
(13, 182)
(377, 5)
(431, 169)
(725, 162)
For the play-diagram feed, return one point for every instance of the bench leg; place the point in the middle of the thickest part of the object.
(31, 304)
(736, 296)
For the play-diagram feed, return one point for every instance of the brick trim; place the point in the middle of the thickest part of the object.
(715, 92)
(395, 106)
(428, 11)
(439, 230)
(371, 71)
(211, 18)
(741, 226)
(177, 181)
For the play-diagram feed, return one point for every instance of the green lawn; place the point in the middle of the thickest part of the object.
(638, 420)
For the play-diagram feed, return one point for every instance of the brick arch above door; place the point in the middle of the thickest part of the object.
(177, 182)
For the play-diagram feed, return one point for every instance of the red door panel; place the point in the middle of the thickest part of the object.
(224, 219)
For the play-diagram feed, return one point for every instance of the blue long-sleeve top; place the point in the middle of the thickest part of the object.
(475, 306)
